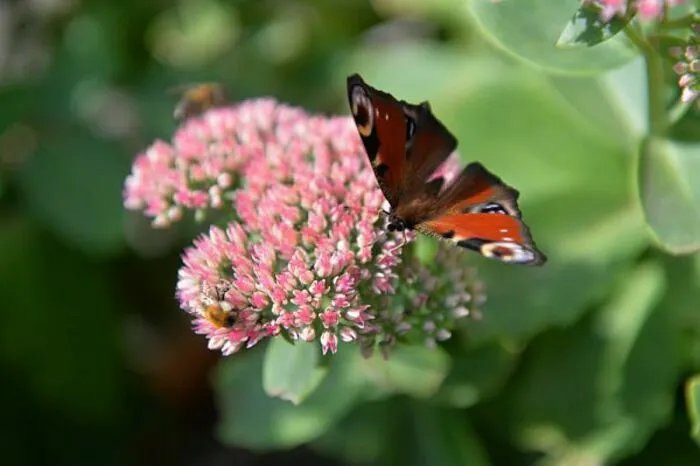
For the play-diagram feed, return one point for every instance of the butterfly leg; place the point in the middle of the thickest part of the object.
(403, 242)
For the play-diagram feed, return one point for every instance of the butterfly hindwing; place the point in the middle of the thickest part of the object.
(480, 212)
(496, 236)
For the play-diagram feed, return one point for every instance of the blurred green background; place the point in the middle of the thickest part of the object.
(581, 362)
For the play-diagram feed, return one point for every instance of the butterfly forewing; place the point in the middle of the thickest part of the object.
(380, 121)
(428, 148)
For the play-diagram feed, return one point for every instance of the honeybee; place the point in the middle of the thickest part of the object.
(198, 98)
(216, 310)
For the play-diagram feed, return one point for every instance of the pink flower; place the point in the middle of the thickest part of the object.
(305, 253)
(311, 176)
(430, 303)
(201, 167)
(608, 8)
(688, 65)
(647, 9)
(653, 9)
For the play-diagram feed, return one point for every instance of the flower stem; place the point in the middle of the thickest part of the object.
(658, 119)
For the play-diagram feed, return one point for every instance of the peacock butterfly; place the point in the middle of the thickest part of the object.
(405, 144)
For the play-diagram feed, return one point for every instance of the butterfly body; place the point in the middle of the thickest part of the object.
(405, 144)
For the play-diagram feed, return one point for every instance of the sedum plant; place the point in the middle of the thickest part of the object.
(356, 335)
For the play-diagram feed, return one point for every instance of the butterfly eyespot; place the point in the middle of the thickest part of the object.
(507, 252)
(362, 111)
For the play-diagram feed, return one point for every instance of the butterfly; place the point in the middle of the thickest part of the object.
(405, 144)
(198, 98)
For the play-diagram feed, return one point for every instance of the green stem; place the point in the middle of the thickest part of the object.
(678, 110)
(658, 119)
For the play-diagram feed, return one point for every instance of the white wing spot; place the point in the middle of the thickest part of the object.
(504, 230)
(518, 254)
(505, 238)
(386, 117)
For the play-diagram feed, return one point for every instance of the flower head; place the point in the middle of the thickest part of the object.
(306, 254)
(688, 65)
(201, 168)
(432, 299)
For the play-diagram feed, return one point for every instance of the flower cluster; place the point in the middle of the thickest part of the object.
(426, 308)
(646, 9)
(688, 65)
(201, 168)
(305, 254)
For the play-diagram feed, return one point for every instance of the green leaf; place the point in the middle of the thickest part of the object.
(692, 400)
(413, 370)
(251, 419)
(670, 445)
(529, 29)
(425, 249)
(586, 28)
(370, 425)
(399, 431)
(476, 374)
(437, 10)
(73, 185)
(669, 185)
(291, 371)
(618, 367)
(613, 103)
(443, 438)
(588, 246)
(547, 150)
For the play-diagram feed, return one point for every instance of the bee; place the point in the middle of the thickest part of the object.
(216, 310)
(198, 98)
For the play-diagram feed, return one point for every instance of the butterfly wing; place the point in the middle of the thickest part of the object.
(478, 211)
(429, 145)
(405, 143)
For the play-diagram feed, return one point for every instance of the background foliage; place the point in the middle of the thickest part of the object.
(589, 359)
